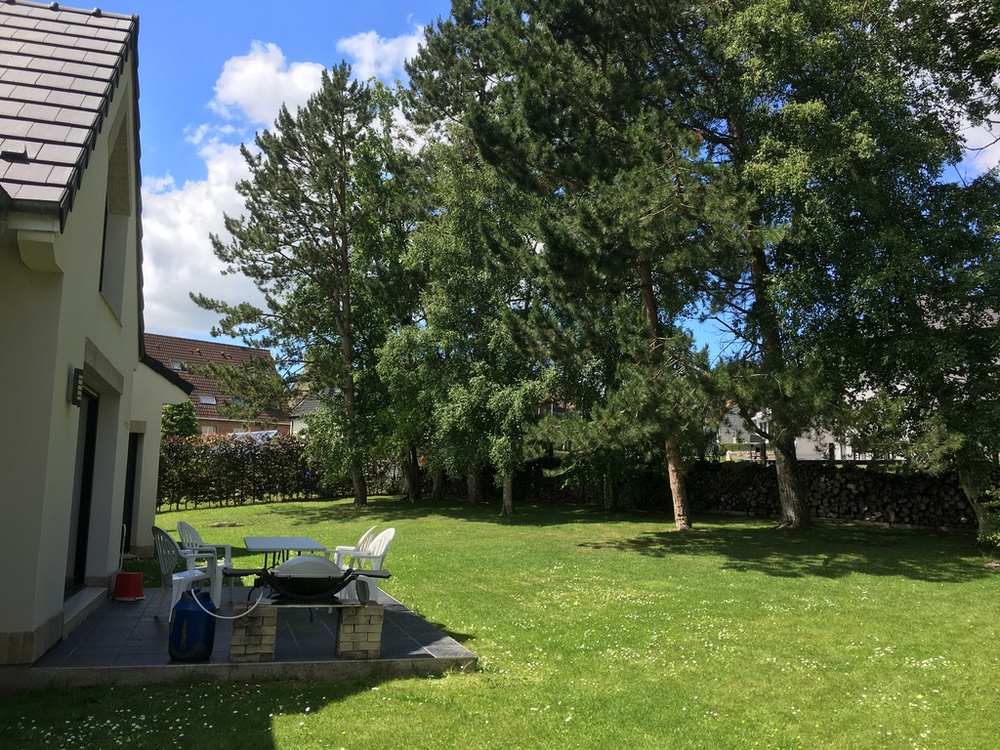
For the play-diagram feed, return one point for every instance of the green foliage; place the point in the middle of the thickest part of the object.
(326, 447)
(465, 381)
(612, 188)
(989, 532)
(622, 432)
(327, 214)
(591, 175)
(409, 366)
(774, 164)
(179, 420)
(232, 470)
(926, 343)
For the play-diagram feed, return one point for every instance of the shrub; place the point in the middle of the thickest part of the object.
(232, 470)
(179, 419)
(989, 536)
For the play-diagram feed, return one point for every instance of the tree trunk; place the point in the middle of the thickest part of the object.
(675, 474)
(982, 517)
(474, 485)
(411, 475)
(357, 467)
(359, 483)
(437, 491)
(794, 513)
(507, 508)
(610, 492)
(678, 488)
(350, 409)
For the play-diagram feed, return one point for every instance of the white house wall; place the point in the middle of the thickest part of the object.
(30, 305)
(150, 391)
(54, 321)
(812, 445)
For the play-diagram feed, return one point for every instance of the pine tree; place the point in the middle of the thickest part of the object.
(321, 238)
(615, 230)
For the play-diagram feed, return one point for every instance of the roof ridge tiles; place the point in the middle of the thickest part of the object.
(178, 340)
(68, 10)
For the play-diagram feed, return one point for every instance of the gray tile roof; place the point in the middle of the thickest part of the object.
(58, 71)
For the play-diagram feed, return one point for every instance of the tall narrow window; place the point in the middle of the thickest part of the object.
(117, 211)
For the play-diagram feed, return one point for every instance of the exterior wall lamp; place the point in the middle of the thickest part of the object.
(74, 393)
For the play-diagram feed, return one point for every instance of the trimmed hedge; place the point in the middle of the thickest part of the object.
(232, 470)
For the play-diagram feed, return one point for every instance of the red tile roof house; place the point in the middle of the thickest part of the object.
(180, 355)
(83, 402)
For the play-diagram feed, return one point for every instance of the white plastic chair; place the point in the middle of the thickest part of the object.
(342, 555)
(191, 540)
(372, 559)
(168, 552)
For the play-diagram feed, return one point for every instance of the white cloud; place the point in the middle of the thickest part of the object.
(255, 85)
(178, 257)
(982, 145)
(158, 184)
(378, 57)
(208, 131)
(177, 219)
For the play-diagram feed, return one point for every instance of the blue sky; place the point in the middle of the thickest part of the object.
(184, 48)
(210, 74)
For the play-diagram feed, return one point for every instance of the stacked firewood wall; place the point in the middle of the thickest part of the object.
(844, 493)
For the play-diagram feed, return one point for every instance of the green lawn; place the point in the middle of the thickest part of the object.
(597, 630)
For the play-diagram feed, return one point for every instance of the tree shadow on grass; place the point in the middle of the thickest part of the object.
(387, 510)
(170, 715)
(828, 550)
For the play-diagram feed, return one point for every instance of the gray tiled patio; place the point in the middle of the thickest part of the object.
(126, 643)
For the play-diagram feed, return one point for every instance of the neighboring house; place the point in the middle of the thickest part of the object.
(181, 355)
(814, 445)
(82, 402)
(300, 413)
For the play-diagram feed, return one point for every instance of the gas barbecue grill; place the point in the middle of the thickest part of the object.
(313, 579)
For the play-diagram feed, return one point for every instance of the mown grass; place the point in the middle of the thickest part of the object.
(597, 630)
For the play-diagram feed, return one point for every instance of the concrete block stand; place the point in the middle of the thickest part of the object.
(359, 633)
(253, 635)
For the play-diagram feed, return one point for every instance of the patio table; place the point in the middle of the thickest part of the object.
(277, 548)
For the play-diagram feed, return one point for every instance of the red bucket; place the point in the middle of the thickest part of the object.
(128, 587)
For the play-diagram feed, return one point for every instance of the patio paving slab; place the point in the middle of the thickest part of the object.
(125, 642)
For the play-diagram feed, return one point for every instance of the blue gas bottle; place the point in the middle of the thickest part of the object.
(192, 634)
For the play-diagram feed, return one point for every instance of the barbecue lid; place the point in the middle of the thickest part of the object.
(308, 566)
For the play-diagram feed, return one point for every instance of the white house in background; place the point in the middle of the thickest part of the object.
(814, 445)
(300, 413)
(81, 402)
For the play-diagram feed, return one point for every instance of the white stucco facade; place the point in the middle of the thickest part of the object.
(70, 300)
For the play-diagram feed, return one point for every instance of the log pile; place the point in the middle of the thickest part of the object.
(844, 493)
(848, 493)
